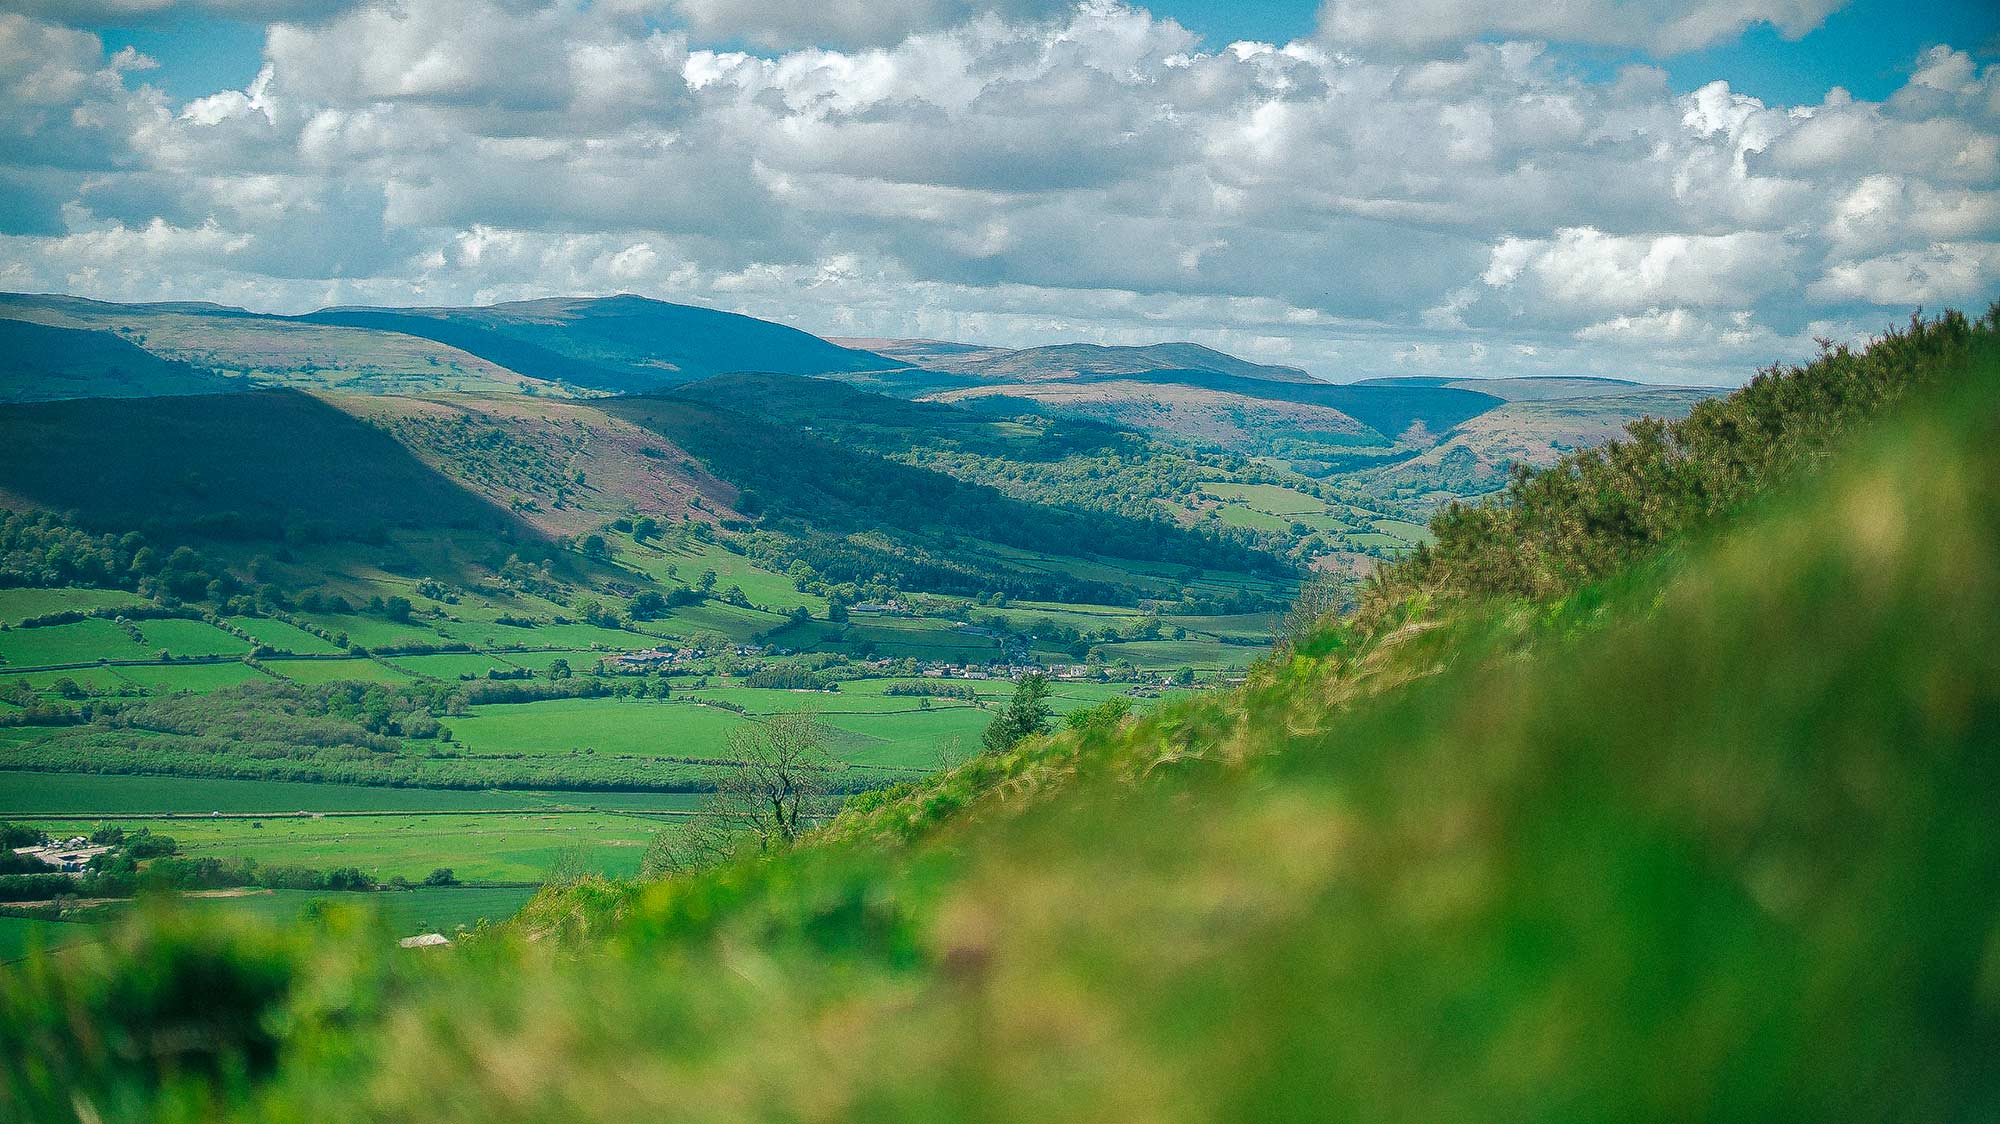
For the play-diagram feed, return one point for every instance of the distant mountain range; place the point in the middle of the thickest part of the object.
(1412, 435)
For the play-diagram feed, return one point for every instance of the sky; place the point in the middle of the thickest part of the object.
(1666, 191)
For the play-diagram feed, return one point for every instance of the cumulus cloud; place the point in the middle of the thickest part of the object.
(844, 23)
(1085, 172)
(1662, 27)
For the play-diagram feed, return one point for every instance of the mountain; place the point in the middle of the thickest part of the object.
(620, 343)
(1072, 361)
(39, 362)
(258, 464)
(558, 345)
(1659, 789)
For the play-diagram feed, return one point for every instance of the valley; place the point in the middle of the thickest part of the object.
(493, 590)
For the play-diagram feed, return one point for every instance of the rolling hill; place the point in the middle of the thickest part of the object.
(621, 343)
(249, 465)
(41, 362)
(1072, 361)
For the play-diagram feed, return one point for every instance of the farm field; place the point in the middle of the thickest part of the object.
(524, 846)
(80, 642)
(91, 793)
(199, 677)
(17, 605)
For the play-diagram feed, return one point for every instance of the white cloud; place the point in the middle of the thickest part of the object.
(1662, 27)
(1096, 174)
(844, 23)
(1948, 272)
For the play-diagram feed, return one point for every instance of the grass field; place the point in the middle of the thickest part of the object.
(192, 638)
(285, 637)
(337, 671)
(81, 642)
(167, 678)
(452, 665)
(513, 847)
(20, 935)
(643, 727)
(80, 793)
(17, 605)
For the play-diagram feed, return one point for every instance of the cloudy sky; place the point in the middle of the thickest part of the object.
(1672, 191)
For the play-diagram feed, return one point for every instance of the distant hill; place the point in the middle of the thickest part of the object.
(1542, 387)
(621, 343)
(40, 362)
(1074, 360)
(254, 464)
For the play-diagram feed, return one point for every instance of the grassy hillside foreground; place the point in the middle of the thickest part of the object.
(1706, 836)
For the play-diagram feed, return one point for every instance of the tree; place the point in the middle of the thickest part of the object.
(773, 790)
(1026, 713)
(398, 608)
(559, 668)
(442, 876)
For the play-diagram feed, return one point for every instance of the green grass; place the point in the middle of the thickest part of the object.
(17, 605)
(192, 638)
(579, 659)
(77, 793)
(1237, 516)
(108, 680)
(81, 642)
(373, 632)
(453, 665)
(647, 728)
(513, 847)
(426, 909)
(167, 678)
(1156, 655)
(337, 671)
(763, 587)
(285, 637)
(21, 935)
(1411, 533)
(1273, 499)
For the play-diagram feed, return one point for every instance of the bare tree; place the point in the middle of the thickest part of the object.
(775, 788)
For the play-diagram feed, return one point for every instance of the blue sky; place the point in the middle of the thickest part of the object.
(1867, 46)
(1658, 189)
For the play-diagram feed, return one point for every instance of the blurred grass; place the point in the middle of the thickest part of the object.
(1710, 837)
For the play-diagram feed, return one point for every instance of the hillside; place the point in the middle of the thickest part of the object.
(257, 464)
(267, 350)
(621, 343)
(39, 362)
(1072, 361)
(1695, 827)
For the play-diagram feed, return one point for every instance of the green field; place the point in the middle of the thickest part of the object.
(81, 793)
(337, 671)
(452, 665)
(167, 678)
(641, 727)
(192, 638)
(1273, 499)
(285, 637)
(522, 846)
(81, 642)
(17, 605)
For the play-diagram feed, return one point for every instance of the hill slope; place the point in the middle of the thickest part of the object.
(1701, 835)
(617, 343)
(250, 464)
(40, 362)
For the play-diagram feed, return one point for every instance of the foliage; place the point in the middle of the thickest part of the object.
(1599, 509)
(1026, 714)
